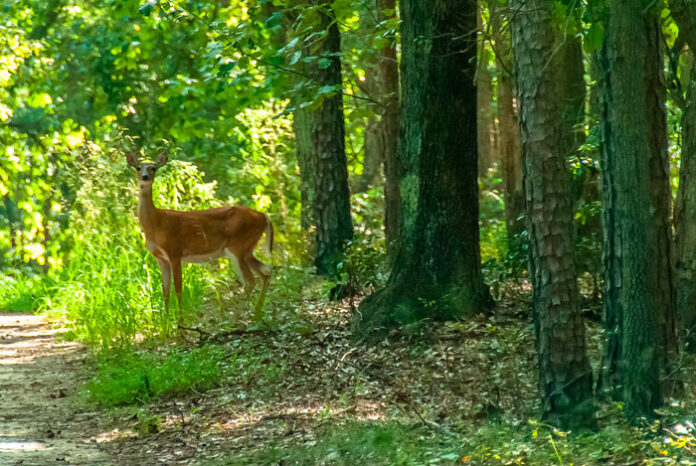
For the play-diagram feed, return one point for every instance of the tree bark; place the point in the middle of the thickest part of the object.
(320, 138)
(302, 127)
(547, 140)
(509, 134)
(331, 196)
(484, 103)
(632, 298)
(684, 13)
(389, 90)
(373, 146)
(436, 271)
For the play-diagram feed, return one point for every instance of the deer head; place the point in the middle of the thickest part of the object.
(146, 170)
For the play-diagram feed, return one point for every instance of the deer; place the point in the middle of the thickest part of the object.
(200, 236)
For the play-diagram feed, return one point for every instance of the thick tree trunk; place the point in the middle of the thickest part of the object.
(547, 139)
(436, 271)
(632, 299)
(509, 135)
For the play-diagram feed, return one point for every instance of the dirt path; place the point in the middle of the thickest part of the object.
(39, 424)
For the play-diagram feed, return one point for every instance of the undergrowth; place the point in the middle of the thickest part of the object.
(137, 377)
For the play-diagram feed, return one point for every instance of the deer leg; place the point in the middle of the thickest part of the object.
(176, 272)
(166, 272)
(265, 272)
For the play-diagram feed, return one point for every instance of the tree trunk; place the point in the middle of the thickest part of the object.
(572, 82)
(484, 103)
(632, 299)
(331, 196)
(373, 146)
(660, 193)
(685, 218)
(389, 90)
(509, 135)
(321, 154)
(684, 13)
(302, 127)
(436, 271)
(547, 140)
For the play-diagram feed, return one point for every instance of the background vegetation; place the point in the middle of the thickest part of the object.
(220, 86)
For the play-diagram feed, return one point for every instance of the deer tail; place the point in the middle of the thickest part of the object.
(269, 237)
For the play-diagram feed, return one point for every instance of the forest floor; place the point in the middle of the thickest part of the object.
(305, 392)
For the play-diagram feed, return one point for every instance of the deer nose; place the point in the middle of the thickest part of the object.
(145, 177)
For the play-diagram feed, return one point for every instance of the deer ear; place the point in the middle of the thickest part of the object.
(161, 160)
(132, 159)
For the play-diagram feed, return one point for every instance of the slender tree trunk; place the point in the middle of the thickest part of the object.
(373, 150)
(509, 134)
(331, 196)
(547, 139)
(484, 102)
(685, 217)
(632, 298)
(301, 124)
(389, 90)
(321, 154)
(684, 13)
(660, 193)
(436, 271)
(572, 80)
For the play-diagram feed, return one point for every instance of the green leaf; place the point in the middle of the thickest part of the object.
(323, 63)
(146, 8)
(296, 57)
(594, 37)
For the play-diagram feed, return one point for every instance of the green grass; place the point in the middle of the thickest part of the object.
(121, 378)
(373, 443)
(20, 294)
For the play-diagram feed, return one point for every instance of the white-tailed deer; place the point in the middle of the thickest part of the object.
(174, 236)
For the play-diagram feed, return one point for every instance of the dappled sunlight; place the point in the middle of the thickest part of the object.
(38, 422)
(13, 447)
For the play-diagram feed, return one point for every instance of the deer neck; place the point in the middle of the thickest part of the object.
(147, 212)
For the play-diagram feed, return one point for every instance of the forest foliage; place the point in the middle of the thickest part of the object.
(221, 86)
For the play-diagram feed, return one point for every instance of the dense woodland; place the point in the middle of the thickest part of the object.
(483, 220)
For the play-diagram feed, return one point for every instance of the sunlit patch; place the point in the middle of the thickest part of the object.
(22, 446)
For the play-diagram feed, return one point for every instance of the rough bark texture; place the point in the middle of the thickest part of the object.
(436, 271)
(321, 155)
(509, 134)
(630, 366)
(564, 370)
(331, 196)
(684, 13)
(660, 193)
